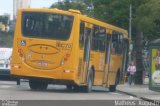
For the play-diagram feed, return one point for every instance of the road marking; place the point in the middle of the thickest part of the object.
(7, 83)
(115, 93)
(5, 86)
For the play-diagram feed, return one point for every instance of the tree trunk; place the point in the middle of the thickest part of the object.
(139, 64)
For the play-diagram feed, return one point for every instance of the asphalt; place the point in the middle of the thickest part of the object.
(139, 91)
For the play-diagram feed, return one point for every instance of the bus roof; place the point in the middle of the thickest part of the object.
(71, 12)
(108, 26)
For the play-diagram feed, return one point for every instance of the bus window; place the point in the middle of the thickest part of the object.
(117, 43)
(98, 38)
(120, 43)
(46, 25)
(102, 38)
(95, 38)
(81, 40)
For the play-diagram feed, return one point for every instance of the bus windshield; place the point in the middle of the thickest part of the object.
(46, 25)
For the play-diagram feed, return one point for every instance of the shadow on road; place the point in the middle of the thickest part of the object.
(65, 90)
(24, 86)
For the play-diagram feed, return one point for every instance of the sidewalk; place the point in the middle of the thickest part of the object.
(140, 91)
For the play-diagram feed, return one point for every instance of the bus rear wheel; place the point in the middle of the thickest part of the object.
(112, 88)
(38, 85)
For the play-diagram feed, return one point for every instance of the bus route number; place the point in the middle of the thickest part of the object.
(64, 46)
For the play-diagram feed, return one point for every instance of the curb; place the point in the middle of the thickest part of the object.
(139, 97)
(128, 93)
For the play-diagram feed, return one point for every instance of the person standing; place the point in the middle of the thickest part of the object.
(131, 70)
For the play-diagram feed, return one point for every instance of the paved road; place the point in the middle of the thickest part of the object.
(10, 91)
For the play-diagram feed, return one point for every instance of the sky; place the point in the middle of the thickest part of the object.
(6, 6)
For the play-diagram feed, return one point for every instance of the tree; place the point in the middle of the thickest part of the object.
(112, 11)
(71, 5)
(148, 19)
(4, 20)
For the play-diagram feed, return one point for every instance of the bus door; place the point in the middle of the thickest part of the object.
(107, 59)
(124, 60)
(86, 51)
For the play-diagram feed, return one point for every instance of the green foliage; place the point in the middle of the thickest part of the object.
(116, 12)
(145, 13)
(112, 11)
(148, 19)
(70, 5)
(4, 20)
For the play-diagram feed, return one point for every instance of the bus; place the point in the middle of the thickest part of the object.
(53, 46)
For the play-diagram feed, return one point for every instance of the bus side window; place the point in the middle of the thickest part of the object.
(120, 43)
(114, 43)
(81, 39)
(98, 38)
(102, 38)
(95, 42)
(117, 43)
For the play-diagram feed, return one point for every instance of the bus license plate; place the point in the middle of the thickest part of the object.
(43, 63)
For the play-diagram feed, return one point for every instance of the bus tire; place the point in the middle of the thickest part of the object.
(90, 78)
(112, 88)
(33, 85)
(43, 86)
(69, 87)
(38, 85)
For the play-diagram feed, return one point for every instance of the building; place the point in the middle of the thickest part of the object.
(20, 4)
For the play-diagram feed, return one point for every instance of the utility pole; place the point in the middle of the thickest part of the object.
(130, 33)
(139, 59)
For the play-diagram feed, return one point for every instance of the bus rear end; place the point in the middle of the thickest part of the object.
(43, 47)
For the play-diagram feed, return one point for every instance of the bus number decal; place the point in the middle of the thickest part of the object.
(63, 46)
